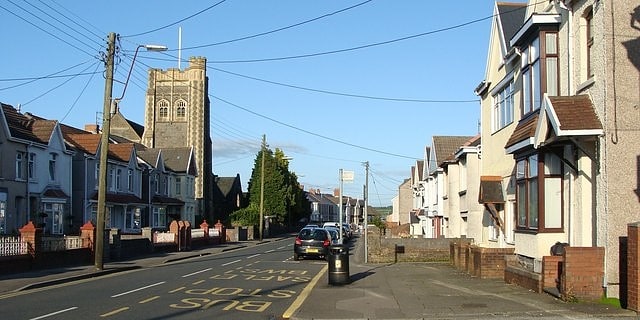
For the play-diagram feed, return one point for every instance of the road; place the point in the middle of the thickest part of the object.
(259, 282)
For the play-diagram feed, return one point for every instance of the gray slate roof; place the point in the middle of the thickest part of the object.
(512, 17)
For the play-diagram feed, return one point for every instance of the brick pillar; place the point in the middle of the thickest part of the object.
(175, 229)
(633, 267)
(187, 234)
(221, 231)
(583, 273)
(182, 239)
(551, 271)
(463, 255)
(88, 236)
(452, 253)
(32, 236)
(205, 227)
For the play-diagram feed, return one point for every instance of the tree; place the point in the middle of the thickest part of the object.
(382, 226)
(284, 199)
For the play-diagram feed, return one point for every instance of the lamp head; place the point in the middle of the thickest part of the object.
(155, 47)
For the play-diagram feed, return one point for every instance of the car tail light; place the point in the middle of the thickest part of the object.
(298, 241)
(326, 242)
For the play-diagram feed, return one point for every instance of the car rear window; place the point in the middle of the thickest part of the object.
(312, 234)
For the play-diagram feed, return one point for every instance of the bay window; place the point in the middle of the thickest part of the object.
(539, 192)
(540, 70)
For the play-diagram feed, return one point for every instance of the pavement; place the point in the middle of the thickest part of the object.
(371, 291)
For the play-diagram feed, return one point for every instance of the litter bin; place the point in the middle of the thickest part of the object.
(338, 265)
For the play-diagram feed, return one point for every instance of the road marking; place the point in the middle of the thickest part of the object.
(253, 256)
(303, 295)
(198, 282)
(134, 290)
(149, 299)
(108, 314)
(280, 248)
(177, 290)
(269, 251)
(54, 313)
(232, 262)
(201, 271)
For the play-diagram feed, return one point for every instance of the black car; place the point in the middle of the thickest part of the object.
(312, 242)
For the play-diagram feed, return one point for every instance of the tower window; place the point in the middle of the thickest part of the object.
(163, 109)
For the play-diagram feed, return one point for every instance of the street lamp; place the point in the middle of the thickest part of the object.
(104, 141)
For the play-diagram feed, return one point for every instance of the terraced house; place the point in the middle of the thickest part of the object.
(559, 138)
(35, 174)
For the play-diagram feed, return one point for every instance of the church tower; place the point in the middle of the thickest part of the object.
(177, 113)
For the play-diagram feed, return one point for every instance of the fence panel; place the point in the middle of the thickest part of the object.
(60, 243)
(12, 246)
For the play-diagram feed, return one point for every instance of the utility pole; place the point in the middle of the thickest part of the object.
(263, 149)
(104, 151)
(366, 205)
(340, 227)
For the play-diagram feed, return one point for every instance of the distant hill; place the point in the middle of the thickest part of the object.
(384, 211)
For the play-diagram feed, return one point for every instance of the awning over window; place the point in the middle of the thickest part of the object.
(490, 190)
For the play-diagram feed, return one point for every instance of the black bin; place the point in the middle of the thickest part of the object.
(338, 259)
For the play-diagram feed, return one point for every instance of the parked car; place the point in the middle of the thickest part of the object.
(312, 242)
(347, 234)
(335, 235)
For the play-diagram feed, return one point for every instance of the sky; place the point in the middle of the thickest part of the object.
(334, 84)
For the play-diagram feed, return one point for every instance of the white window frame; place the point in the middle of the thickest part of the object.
(130, 179)
(20, 174)
(159, 218)
(178, 185)
(503, 107)
(52, 167)
(56, 212)
(32, 166)
(3, 212)
(118, 179)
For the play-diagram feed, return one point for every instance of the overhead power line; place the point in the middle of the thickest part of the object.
(54, 88)
(64, 24)
(174, 23)
(81, 93)
(74, 20)
(49, 76)
(312, 133)
(345, 94)
(309, 55)
(278, 29)
(46, 31)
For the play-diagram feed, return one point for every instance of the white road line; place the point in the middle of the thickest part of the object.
(134, 290)
(54, 313)
(280, 248)
(201, 271)
(232, 262)
(253, 256)
(269, 251)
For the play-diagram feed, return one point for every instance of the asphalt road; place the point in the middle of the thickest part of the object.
(259, 282)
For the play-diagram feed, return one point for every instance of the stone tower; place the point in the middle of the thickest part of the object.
(177, 113)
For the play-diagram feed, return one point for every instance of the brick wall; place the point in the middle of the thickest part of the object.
(382, 250)
(459, 253)
(488, 263)
(583, 273)
(521, 276)
(551, 271)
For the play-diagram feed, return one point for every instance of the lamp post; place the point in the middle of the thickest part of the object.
(104, 141)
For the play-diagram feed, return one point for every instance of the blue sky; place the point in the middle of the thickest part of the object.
(340, 83)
